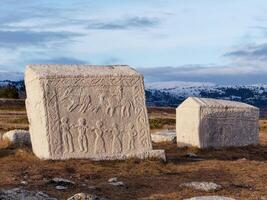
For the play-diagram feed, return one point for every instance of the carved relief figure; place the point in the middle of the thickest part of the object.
(82, 138)
(85, 102)
(99, 141)
(100, 103)
(82, 101)
(126, 108)
(116, 140)
(131, 137)
(110, 108)
(66, 135)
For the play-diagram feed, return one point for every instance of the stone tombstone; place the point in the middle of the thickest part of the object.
(204, 122)
(85, 111)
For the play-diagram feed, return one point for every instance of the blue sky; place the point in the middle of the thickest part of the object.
(168, 40)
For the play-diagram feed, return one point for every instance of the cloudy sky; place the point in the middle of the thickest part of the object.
(216, 41)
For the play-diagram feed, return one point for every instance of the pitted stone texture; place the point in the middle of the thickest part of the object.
(204, 122)
(84, 196)
(164, 136)
(18, 194)
(18, 136)
(211, 198)
(204, 186)
(83, 111)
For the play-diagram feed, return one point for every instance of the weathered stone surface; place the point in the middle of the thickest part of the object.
(18, 136)
(210, 198)
(18, 194)
(203, 122)
(164, 136)
(84, 196)
(204, 186)
(82, 111)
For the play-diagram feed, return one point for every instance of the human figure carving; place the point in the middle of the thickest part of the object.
(66, 135)
(82, 138)
(126, 108)
(110, 108)
(131, 137)
(116, 140)
(99, 141)
(85, 102)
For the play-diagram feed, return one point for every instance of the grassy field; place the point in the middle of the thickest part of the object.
(241, 171)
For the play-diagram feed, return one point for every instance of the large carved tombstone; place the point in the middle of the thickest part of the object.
(80, 111)
(204, 122)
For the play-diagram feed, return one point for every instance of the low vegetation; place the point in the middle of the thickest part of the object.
(159, 123)
(9, 92)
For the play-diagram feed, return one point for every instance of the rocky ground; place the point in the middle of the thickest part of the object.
(239, 173)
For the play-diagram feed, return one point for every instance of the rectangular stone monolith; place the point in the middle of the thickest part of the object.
(205, 122)
(84, 111)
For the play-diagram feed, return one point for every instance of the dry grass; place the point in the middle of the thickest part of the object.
(147, 179)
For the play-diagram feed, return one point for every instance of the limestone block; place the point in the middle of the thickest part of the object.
(18, 136)
(204, 122)
(84, 111)
(164, 136)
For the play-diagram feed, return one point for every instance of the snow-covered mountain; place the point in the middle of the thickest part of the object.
(173, 93)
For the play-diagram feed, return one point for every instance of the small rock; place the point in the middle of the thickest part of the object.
(191, 155)
(18, 136)
(92, 188)
(210, 198)
(114, 179)
(62, 182)
(118, 183)
(18, 193)
(164, 136)
(242, 159)
(24, 182)
(84, 196)
(60, 187)
(204, 186)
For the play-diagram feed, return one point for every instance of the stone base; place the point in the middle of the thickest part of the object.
(159, 154)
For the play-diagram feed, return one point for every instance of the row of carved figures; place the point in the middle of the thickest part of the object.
(99, 143)
(113, 104)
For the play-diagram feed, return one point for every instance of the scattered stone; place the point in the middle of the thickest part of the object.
(204, 186)
(19, 193)
(119, 183)
(92, 188)
(114, 179)
(24, 182)
(191, 155)
(164, 136)
(84, 196)
(62, 182)
(242, 159)
(18, 137)
(60, 187)
(205, 122)
(64, 102)
(210, 198)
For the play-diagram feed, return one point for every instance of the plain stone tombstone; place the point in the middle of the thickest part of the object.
(84, 111)
(204, 122)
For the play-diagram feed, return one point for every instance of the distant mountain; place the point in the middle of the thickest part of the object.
(173, 93)
(17, 84)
